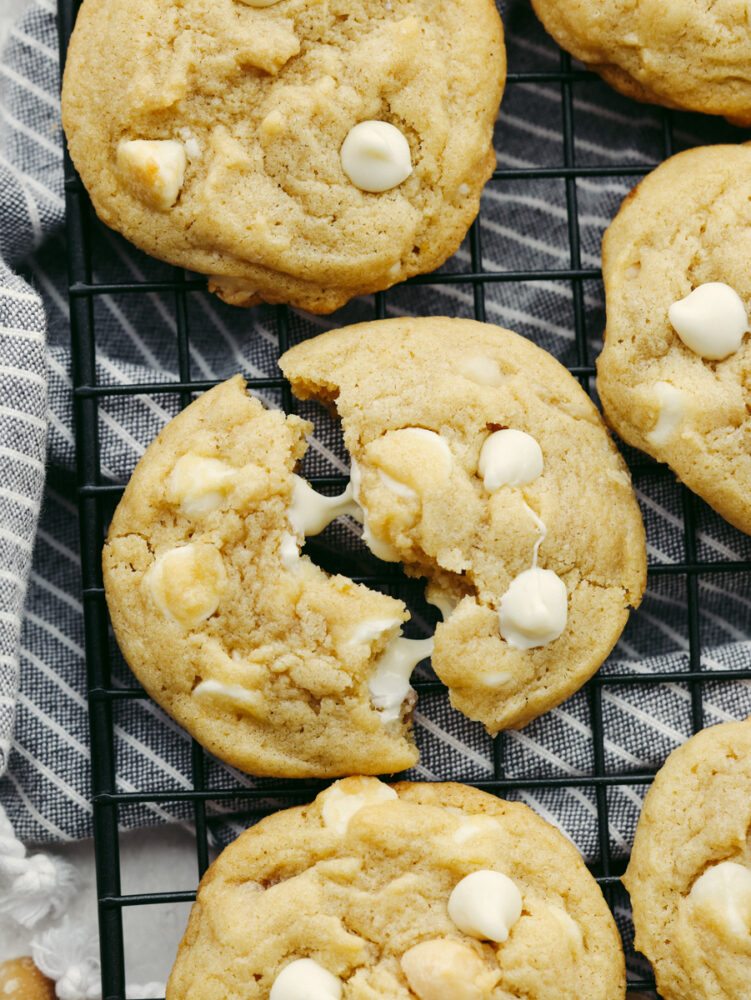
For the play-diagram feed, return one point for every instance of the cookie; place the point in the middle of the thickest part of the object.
(481, 464)
(303, 151)
(260, 655)
(438, 891)
(690, 871)
(689, 54)
(673, 375)
(20, 979)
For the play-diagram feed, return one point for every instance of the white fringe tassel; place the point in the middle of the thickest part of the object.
(33, 887)
(41, 886)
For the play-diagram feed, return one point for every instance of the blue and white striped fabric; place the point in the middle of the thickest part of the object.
(46, 785)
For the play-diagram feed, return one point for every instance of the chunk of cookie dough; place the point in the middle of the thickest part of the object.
(259, 654)
(690, 871)
(481, 464)
(689, 54)
(302, 151)
(356, 892)
(674, 373)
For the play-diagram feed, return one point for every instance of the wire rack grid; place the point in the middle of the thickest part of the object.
(97, 497)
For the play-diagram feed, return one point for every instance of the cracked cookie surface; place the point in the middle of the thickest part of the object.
(687, 224)
(364, 891)
(247, 110)
(689, 877)
(258, 653)
(690, 54)
(456, 383)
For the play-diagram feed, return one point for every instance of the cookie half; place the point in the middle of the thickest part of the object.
(690, 871)
(260, 655)
(673, 375)
(683, 54)
(482, 465)
(300, 151)
(439, 892)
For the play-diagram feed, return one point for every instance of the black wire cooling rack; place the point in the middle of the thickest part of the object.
(97, 498)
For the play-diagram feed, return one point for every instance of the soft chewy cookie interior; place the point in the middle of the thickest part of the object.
(534, 560)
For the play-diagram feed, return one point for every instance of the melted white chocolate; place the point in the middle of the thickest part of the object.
(389, 685)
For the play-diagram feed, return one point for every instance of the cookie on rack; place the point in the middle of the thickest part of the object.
(673, 375)
(688, 54)
(690, 871)
(296, 151)
(434, 891)
(480, 463)
(256, 651)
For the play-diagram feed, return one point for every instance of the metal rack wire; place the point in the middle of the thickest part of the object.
(97, 498)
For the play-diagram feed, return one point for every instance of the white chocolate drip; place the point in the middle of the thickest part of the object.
(711, 321)
(509, 458)
(672, 411)
(235, 696)
(344, 798)
(485, 905)
(375, 156)
(534, 609)
(541, 528)
(310, 512)
(444, 602)
(723, 892)
(305, 979)
(389, 685)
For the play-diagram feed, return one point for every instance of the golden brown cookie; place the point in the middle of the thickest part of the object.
(212, 134)
(434, 892)
(481, 464)
(20, 979)
(684, 231)
(690, 54)
(258, 653)
(690, 871)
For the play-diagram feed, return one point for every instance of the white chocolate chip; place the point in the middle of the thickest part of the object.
(482, 370)
(443, 969)
(186, 583)
(199, 485)
(672, 410)
(722, 894)
(509, 458)
(485, 905)
(310, 512)
(534, 609)
(235, 696)
(445, 603)
(373, 628)
(405, 492)
(305, 979)
(389, 685)
(153, 169)
(376, 156)
(380, 548)
(289, 552)
(475, 826)
(711, 321)
(344, 798)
